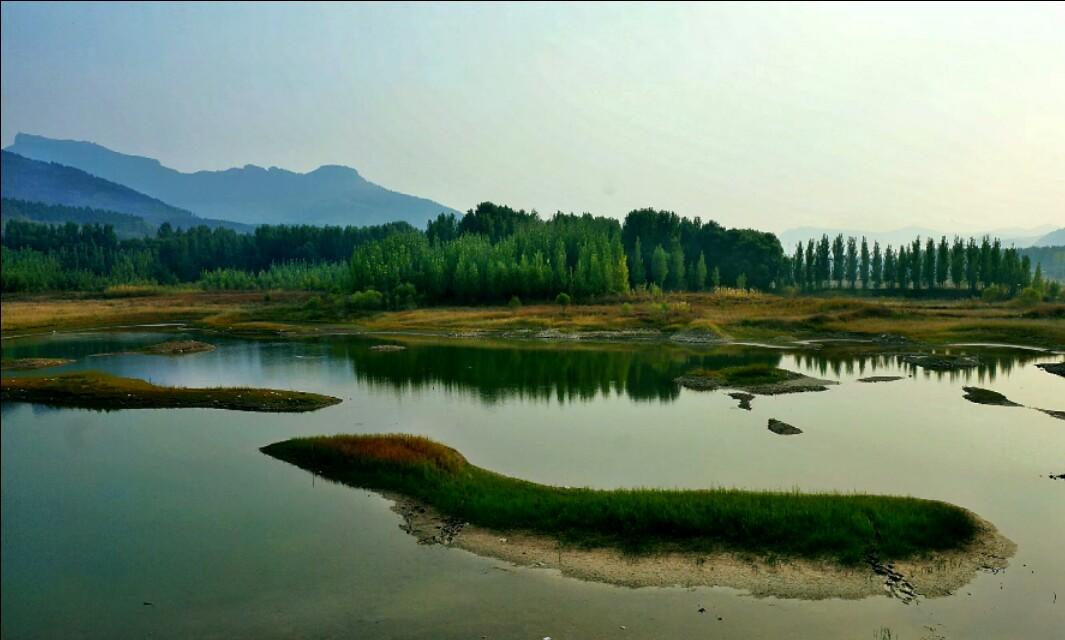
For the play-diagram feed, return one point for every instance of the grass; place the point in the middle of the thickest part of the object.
(741, 316)
(845, 528)
(94, 390)
(746, 375)
(22, 364)
(177, 348)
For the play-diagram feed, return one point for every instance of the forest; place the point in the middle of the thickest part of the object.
(495, 253)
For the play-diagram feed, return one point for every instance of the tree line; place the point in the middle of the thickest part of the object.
(495, 253)
(972, 264)
(42, 257)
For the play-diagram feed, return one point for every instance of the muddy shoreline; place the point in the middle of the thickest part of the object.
(933, 576)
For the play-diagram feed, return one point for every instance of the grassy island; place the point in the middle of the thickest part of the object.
(94, 390)
(846, 528)
(757, 378)
(23, 364)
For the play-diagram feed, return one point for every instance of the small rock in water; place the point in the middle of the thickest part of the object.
(702, 609)
(987, 396)
(744, 398)
(783, 428)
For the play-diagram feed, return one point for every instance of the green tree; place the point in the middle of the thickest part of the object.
(877, 275)
(715, 277)
(636, 268)
(863, 264)
(929, 266)
(799, 267)
(851, 262)
(700, 273)
(838, 264)
(659, 266)
(676, 265)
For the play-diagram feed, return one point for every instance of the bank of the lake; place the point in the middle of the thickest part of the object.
(725, 316)
(95, 390)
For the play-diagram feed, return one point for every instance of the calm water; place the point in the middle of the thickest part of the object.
(104, 512)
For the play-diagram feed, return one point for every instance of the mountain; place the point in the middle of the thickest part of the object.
(1009, 236)
(124, 224)
(1052, 239)
(50, 183)
(330, 194)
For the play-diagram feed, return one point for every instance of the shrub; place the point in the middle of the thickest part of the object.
(1029, 297)
(515, 302)
(994, 293)
(365, 300)
(406, 296)
(563, 299)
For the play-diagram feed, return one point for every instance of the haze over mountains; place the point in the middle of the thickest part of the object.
(1044, 236)
(55, 184)
(331, 194)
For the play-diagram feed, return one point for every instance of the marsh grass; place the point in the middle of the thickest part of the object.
(840, 527)
(95, 390)
(746, 375)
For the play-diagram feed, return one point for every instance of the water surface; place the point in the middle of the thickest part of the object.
(103, 512)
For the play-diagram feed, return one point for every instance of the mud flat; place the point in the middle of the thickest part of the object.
(935, 575)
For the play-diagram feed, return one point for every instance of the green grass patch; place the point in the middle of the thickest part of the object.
(842, 527)
(23, 364)
(95, 390)
(746, 375)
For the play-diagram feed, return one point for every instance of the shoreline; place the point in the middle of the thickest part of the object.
(935, 575)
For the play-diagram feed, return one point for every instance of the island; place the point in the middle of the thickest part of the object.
(95, 390)
(771, 543)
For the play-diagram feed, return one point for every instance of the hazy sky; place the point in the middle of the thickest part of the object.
(771, 116)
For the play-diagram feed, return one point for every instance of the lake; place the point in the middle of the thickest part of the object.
(172, 524)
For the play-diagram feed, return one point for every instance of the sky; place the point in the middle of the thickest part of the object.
(769, 116)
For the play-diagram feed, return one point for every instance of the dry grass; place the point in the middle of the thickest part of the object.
(735, 314)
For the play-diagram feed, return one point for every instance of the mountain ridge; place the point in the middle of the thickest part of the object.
(330, 194)
(56, 184)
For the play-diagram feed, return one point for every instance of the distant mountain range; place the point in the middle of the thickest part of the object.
(330, 194)
(46, 182)
(1046, 235)
(1052, 239)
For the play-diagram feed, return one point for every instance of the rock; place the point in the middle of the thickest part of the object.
(744, 398)
(1060, 476)
(986, 396)
(881, 379)
(1057, 368)
(783, 428)
(1060, 415)
(388, 347)
(940, 362)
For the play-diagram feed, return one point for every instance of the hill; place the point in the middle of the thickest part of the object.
(1052, 239)
(330, 194)
(51, 183)
(125, 225)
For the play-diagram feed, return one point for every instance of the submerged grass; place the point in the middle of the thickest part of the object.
(845, 528)
(95, 390)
